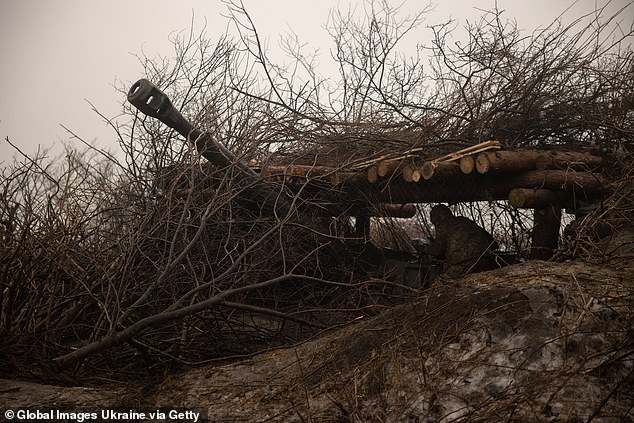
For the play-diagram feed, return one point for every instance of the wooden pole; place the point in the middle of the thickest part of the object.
(506, 161)
(568, 160)
(463, 188)
(545, 232)
(430, 169)
(535, 198)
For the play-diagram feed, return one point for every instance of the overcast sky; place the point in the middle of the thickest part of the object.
(56, 55)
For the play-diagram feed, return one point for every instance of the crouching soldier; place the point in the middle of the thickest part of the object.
(464, 246)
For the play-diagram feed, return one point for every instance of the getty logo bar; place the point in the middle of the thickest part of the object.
(106, 414)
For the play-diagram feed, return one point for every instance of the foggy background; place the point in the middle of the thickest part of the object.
(56, 56)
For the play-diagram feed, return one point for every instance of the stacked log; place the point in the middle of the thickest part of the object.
(518, 161)
(490, 187)
(373, 174)
(544, 181)
(411, 173)
(535, 198)
(431, 169)
(505, 161)
(385, 168)
(388, 167)
(568, 160)
(528, 179)
(467, 164)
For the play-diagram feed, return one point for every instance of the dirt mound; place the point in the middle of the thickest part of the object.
(536, 341)
(16, 394)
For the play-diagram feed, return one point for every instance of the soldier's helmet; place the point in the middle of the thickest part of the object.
(440, 213)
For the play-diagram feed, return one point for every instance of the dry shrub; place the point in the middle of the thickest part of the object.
(159, 258)
(87, 258)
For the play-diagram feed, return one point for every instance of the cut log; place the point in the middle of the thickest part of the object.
(467, 164)
(535, 198)
(388, 167)
(506, 161)
(431, 169)
(568, 160)
(427, 171)
(545, 239)
(373, 174)
(559, 180)
(411, 174)
(519, 161)
(464, 188)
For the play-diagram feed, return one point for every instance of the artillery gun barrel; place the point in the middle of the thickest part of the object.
(150, 100)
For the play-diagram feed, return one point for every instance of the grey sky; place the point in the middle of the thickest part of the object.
(55, 55)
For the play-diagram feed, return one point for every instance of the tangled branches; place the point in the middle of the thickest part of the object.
(161, 258)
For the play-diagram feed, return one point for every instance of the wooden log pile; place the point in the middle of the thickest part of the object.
(527, 179)
(545, 181)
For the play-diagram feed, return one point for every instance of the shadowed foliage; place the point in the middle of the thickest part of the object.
(153, 258)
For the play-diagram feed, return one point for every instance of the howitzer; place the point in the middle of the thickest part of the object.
(150, 100)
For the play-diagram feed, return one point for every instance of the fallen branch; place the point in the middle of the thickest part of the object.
(139, 326)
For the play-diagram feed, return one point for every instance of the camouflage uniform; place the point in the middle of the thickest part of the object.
(463, 244)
